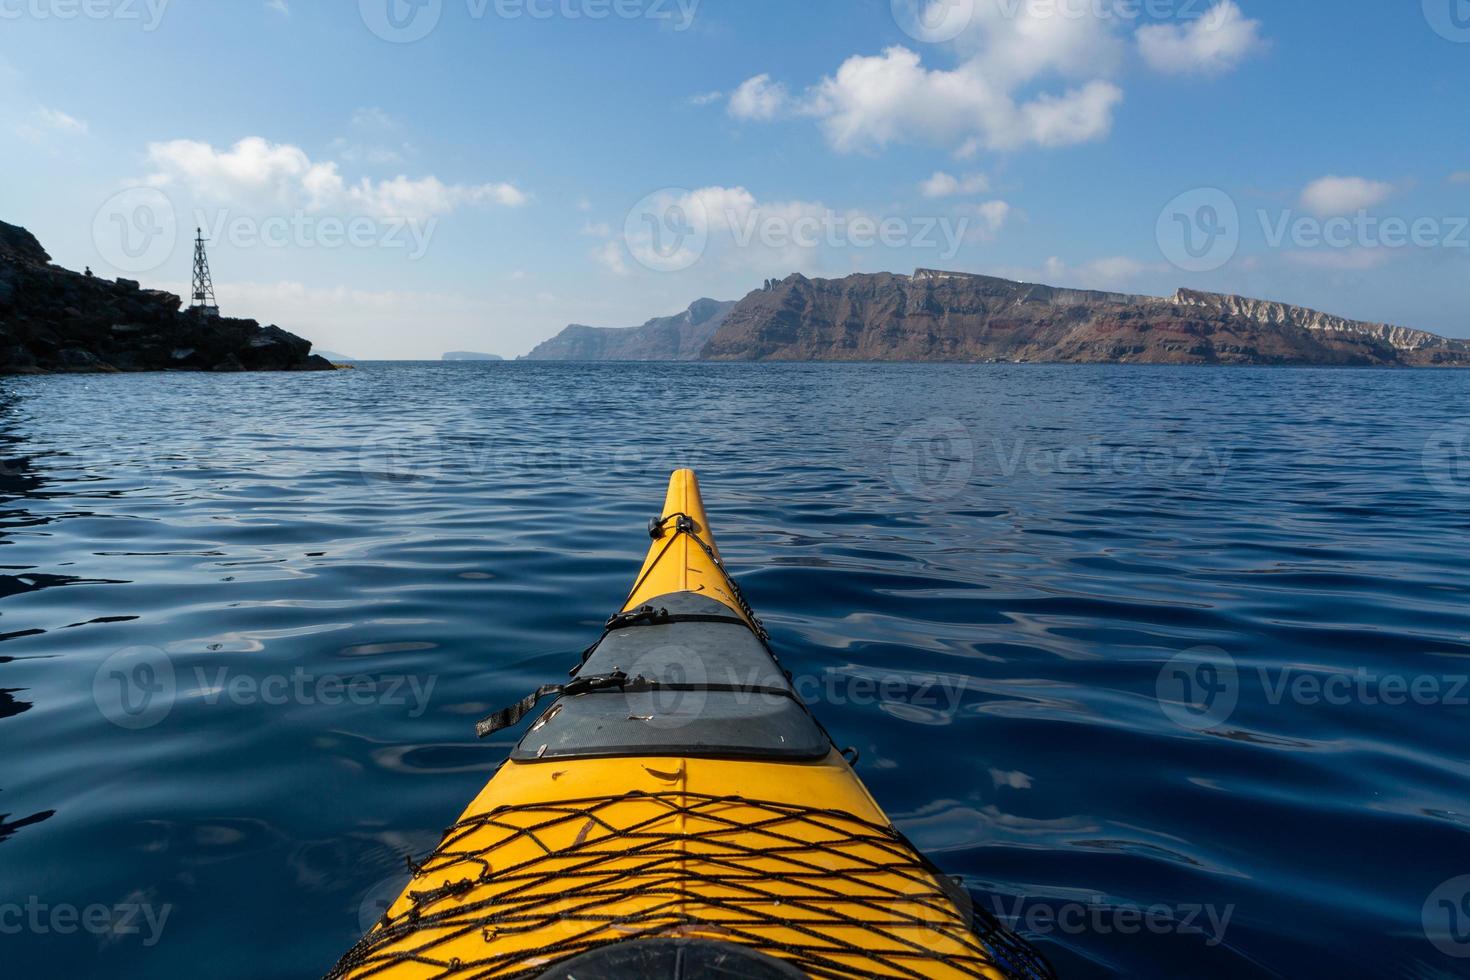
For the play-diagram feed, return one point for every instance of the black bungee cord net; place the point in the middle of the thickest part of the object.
(825, 877)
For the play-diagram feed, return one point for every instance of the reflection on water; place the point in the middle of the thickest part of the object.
(17, 482)
(1120, 647)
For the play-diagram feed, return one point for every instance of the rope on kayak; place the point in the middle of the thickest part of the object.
(684, 524)
(650, 616)
(836, 895)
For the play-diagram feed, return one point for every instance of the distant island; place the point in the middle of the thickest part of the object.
(964, 317)
(469, 355)
(55, 320)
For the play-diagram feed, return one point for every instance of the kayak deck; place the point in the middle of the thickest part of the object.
(621, 820)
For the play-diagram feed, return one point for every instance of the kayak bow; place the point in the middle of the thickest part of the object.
(677, 812)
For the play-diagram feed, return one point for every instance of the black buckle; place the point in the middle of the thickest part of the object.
(590, 685)
(643, 615)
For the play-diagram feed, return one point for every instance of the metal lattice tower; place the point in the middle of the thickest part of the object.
(204, 303)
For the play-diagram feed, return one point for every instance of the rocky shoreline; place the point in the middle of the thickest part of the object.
(54, 320)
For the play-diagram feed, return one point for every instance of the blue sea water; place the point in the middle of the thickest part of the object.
(1167, 664)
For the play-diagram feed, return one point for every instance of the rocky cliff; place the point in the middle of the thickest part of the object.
(670, 338)
(938, 316)
(52, 319)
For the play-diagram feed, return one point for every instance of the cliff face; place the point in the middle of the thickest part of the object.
(934, 316)
(55, 320)
(670, 338)
(1268, 312)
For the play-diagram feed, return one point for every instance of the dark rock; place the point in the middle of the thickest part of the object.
(81, 360)
(15, 359)
(316, 363)
(52, 319)
(15, 239)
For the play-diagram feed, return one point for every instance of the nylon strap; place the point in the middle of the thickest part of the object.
(649, 616)
(513, 715)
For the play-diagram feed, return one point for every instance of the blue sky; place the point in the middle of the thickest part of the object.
(481, 186)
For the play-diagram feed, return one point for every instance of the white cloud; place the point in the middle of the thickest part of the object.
(258, 173)
(372, 154)
(609, 255)
(55, 119)
(947, 185)
(995, 214)
(759, 98)
(374, 119)
(279, 7)
(375, 140)
(1025, 76)
(1010, 47)
(872, 102)
(46, 122)
(1209, 45)
(706, 98)
(428, 197)
(1331, 196)
(1080, 116)
(985, 221)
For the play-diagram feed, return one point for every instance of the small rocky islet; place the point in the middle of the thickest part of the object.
(54, 320)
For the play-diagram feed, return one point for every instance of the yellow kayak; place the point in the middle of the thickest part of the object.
(678, 812)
